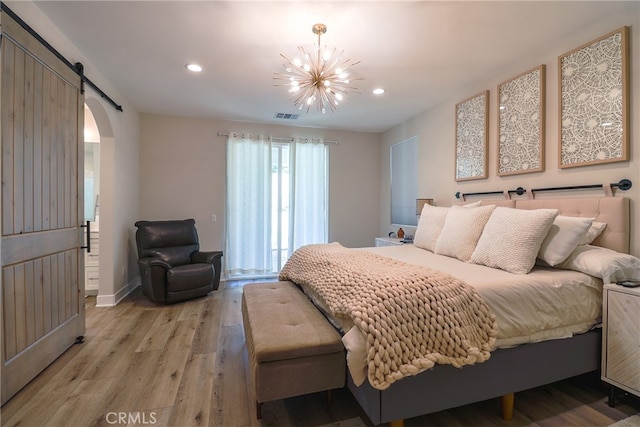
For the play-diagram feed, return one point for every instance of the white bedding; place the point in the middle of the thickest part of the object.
(547, 303)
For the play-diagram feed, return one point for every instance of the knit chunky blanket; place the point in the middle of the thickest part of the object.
(412, 317)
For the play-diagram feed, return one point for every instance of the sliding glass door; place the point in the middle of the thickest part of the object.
(277, 201)
(280, 205)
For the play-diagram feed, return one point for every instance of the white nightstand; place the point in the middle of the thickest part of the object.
(390, 241)
(621, 339)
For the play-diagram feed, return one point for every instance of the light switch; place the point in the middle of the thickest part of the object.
(213, 218)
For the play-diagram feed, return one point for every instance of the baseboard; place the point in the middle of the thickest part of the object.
(113, 299)
(90, 292)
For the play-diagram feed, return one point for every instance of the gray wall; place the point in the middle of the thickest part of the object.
(182, 174)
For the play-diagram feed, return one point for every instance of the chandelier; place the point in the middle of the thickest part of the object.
(320, 76)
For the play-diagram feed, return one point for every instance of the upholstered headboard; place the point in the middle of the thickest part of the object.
(614, 211)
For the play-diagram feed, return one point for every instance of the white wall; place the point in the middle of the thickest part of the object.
(436, 131)
(119, 161)
(182, 175)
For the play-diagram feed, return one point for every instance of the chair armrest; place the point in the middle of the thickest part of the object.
(214, 258)
(206, 257)
(153, 262)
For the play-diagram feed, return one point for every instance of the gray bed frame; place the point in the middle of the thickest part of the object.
(507, 371)
(512, 369)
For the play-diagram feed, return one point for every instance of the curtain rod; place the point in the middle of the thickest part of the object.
(78, 68)
(277, 138)
(623, 184)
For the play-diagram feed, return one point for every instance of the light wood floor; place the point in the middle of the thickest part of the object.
(185, 365)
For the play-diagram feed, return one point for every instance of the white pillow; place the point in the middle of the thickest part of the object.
(472, 204)
(512, 237)
(562, 238)
(429, 227)
(461, 231)
(594, 231)
(609, 265)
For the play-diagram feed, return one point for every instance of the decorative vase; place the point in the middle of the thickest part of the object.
(400, 233)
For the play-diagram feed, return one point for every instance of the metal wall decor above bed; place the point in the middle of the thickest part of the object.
(594, 102)
(472, 135)
(623, 184)
(521, 117)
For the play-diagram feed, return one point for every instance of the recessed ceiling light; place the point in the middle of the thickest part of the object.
(378, 91)
(194, 67)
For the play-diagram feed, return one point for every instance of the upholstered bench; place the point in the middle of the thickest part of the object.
(293, 349)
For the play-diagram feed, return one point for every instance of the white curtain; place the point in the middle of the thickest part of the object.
(309, 190)
(248, 216)
(254, 213)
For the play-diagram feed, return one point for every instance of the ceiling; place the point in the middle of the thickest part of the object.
(419, 51)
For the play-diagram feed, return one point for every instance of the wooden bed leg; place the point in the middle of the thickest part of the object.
(258, 410)
(396, 423)
(506, 403)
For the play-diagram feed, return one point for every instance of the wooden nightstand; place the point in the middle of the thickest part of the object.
(621, 339)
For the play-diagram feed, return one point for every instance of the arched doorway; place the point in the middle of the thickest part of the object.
(98, 143)
(92, 201)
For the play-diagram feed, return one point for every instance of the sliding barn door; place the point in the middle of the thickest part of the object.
(41, 204)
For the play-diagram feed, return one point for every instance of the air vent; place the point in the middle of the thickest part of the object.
(287, 116)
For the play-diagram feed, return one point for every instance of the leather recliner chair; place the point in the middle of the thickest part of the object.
(172, 268)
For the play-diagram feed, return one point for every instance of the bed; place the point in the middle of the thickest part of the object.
(519, 360)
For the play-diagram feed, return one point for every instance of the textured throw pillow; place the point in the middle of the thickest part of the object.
(608, 265)
(562, 238)
(594, 231)
(429, 227)
(461, 231)
(512, 238)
